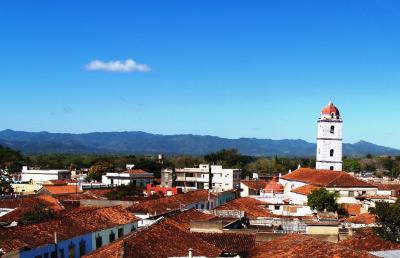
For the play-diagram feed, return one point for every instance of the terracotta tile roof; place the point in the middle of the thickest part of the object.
(163, 239)
(255, 184)
(137, 172)
(112, 250)
(60, 189)
(252, 207)
(28, 201)
(352, 209)
(24, 204)
(325, 178)
(273, 186)
(169, 203)
(388, 187)
(183, 218)
(364, 218)
(71, 223)
(230, 243)
(366, 240)
(305, 189)
(297, 245)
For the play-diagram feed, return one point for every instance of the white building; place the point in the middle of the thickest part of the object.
(136, 176)
(198, 178)
(42, 175)
(329, 139)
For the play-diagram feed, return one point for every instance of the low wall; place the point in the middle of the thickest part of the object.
(105, 203)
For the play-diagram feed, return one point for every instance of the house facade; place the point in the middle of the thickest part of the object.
(189, 179)
(42, 175)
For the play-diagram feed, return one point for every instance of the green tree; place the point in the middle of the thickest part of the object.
(123, 191)
(351, 165)
(38, 213)
(388, 218)
(322, 199)
(5, 182)
(99, 169)
(10, 160)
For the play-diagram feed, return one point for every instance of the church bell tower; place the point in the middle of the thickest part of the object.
(329, 139)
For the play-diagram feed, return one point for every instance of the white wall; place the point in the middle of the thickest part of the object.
(41, 176)
(327, 141)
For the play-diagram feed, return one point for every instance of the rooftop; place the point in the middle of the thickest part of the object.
(169, 203)
(71, 223)
(326, 178)
(183, 219)
(230, 243)
(305, 189)
(366, 240)
(60, 189)
(163, 239)
(255, 184)
(297, 245)
(364, 218)
(252, 207)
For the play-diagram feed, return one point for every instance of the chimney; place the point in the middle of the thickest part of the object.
(190, 253)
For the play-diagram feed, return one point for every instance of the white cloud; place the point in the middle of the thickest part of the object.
(117, 66)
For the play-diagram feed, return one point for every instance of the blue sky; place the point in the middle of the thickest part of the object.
(230, 68)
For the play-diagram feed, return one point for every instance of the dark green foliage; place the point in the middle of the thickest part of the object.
(99, 169)
(123, 191)
(228, 158)
(388, 218)
(322, 199)
(39, 213)
(10, 159)
(351, 165)
(5, 183)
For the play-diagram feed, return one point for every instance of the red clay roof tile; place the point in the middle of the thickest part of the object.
(252, 207)
(297, 245)
(163, 239)
(325, 178)
(305, 189)
(71, 223)
(366, 240)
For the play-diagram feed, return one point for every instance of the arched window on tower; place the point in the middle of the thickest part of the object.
(331, 152)
(332, 129)
(331, 168)
(332, 115)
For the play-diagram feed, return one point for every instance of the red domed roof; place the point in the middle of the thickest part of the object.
(328, 110)
(273, 186)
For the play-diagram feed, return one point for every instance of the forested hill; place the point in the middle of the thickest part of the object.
(146, 143)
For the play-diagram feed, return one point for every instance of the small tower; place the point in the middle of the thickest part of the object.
(329, 139)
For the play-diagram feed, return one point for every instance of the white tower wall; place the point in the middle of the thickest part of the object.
(329, 140)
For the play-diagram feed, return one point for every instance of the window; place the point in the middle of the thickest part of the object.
(71, 250)
(332, 115)
(99, 242)
(351, 193)
(133, 228)
(202, 206)
(82, 247)
(120, 232)
(331, 152)
(112, 236)
(331, 168)
(276, 207)
(61, 253)
(332, 129)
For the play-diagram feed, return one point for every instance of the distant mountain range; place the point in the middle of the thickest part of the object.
(146, 143)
